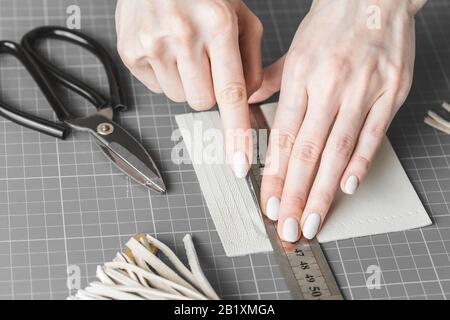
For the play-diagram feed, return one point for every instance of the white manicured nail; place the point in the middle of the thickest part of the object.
(240, 164)
(311, 225)
(272, 208)
(351, 185)
(290, 230)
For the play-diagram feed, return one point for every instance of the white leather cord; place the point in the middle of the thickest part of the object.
(138, 274)
(436, 121)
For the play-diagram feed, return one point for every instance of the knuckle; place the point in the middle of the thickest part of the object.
(338, 64)
(307, 151)
(393, 69)
(283, 141)
(362, 160)
(323, 197)
(394, 72)
(378, 131)
(154, 47)
(405, 86)
(295, 201)
(128, 56)
(233, 95)
(296, 61)
(401, 84)
(367, 75)
(255, 82)
(343, 145)
(258, 27)
(184, 33)
(222, 17)
(172, 9)
(272, 183)
(367, 70)
(185, 45)
(402, 94)
(155, 52)
(395, 81)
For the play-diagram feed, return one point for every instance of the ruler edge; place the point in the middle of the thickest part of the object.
(280, 254)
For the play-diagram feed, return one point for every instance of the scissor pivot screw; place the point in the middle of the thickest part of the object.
(105, 128)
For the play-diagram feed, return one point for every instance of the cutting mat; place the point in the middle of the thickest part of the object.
(63, 204)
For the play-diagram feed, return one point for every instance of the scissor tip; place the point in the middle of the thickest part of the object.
(156, 185)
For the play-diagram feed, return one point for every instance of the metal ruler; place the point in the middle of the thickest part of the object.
(303, 264)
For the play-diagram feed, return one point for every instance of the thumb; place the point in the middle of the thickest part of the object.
(271, 82)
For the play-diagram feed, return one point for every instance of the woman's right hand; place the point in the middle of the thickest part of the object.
(202, 52)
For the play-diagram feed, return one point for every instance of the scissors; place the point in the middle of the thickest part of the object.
(116, 143)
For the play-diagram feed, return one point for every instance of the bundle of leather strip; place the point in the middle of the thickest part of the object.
(440, 120)
(138, 274)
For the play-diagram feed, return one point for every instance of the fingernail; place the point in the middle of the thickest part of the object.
(290, 230)
(311, 225)
(351, 185)
(272, 207)
(240, 164)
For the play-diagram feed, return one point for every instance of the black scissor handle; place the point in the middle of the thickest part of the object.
(58, 130)
(60, 33)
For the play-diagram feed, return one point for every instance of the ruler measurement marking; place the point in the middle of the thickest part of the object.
(304, 266)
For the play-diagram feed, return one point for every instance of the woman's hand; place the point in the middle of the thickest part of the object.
(202, 51)
(347, 72)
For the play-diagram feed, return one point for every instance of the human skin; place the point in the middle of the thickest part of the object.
(203, 52)
(341, 82)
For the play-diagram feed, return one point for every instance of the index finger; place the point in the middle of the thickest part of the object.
(231, 96)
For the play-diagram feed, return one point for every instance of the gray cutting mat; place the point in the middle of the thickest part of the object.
(62, 203)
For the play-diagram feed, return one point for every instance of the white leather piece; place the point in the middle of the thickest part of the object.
(384, 202)
(236, 217)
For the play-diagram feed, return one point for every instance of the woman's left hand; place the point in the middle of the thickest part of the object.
(346, 74)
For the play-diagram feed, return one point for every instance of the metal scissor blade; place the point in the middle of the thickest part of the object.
(123, 150)
(145, 174)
